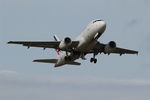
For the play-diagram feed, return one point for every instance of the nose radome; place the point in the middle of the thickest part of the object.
(103, 23)
(102, 26)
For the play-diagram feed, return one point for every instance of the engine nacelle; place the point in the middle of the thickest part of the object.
(65, 43)
(110, 46)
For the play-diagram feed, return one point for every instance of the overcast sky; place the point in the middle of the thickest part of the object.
(112, 78)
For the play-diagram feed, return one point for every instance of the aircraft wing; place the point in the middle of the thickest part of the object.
(124, 51)
(101, 48)
(46, 44)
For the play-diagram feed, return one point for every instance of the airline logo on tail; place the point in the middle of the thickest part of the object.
(57, 50)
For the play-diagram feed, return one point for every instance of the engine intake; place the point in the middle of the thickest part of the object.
(65, 43)
(112, 44)
(67, 40)
(110, 47)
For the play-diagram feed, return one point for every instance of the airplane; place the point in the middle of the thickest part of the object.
(86, 43)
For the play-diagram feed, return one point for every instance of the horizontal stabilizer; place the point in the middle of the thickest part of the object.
(54, 61)
(46, 60)
(73, 63)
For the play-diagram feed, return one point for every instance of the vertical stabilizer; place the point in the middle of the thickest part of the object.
(58, 52)
(56, 38)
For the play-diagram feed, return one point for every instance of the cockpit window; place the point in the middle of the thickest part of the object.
(96, 21)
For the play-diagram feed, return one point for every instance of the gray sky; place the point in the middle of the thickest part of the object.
(112, 78)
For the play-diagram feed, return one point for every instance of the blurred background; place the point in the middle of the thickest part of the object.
(112, 78)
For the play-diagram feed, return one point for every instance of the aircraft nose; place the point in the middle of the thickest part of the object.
(102, 26)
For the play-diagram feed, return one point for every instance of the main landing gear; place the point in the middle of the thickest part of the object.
(93, 59)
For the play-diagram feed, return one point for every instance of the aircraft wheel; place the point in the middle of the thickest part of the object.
(92, 59)
(95, 61)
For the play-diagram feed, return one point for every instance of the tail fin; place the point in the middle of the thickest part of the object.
(56, 38)
(58, 52)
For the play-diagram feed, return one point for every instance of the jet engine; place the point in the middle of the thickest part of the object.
(65, 43)
(109, 47)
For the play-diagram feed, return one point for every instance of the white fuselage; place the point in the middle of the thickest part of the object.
(87, 39)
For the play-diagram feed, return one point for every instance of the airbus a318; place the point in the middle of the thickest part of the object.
(86, 43)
